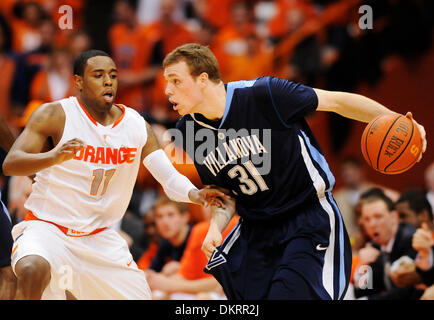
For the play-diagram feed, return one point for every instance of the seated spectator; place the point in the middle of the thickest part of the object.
(423, 243)
(390, 240)
(171, 221)
(8, 71)
(131, 48)
(214, 12)
(56, 81)
(30, 63)
(420, 273)
(166, 34)
(429, 182)
(414, 208)
(26, 36)
(78, 42)
(154, 238)
(347, 197)
(354, 184)
(230, 41)
(255, 62)
(191, 282)
(290, 15)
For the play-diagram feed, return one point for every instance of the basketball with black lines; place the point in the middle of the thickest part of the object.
(391, 143)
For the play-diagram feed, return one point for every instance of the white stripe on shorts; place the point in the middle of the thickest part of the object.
(319, 184)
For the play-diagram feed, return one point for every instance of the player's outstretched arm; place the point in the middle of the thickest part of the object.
(33, 150)
(358, 107)
(6, 137)
(220, 218)
(176, 186)
(350, 105)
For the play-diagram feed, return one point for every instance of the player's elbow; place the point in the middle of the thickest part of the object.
(10, 166)
(7, 167)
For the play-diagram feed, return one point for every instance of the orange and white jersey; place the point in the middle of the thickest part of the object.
(93, 189)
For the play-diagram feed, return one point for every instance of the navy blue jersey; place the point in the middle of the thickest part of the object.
(262, 148)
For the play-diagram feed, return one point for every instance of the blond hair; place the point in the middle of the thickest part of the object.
(199, 59)
(164, 200)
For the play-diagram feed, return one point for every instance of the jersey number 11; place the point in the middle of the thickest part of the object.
(98, 175)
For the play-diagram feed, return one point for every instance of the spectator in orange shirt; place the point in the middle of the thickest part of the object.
(131, 50)
(25, 28)
(30, 63)
(257, 61)
(56, 81)
(290, 16)
(190, 278)
(214, 12)
(166, 34)
(230, 41)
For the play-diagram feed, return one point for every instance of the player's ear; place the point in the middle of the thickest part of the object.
(203, 78)
(78, 80)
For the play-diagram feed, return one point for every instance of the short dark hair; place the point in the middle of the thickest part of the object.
(374, 194)
(81, 61)
(417, 201)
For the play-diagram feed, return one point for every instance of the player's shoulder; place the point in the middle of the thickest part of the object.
(131, 114)
(259, 86)
(48, 111)
(242, 84)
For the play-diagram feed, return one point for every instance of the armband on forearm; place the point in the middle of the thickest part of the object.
(175, 185)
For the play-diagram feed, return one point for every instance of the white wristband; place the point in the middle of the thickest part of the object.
(175, 185)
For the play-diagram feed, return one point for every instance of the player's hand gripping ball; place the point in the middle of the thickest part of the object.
(392, 143)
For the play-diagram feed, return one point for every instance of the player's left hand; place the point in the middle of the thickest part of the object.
(409, 115)
(208, 196)
(212, 240)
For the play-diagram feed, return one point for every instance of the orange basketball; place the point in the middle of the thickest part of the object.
(391, 143)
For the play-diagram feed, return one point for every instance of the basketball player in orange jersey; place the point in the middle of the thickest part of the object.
(86, 152)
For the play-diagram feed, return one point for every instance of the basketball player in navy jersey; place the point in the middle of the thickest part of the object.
(7, 277)
(251, 137)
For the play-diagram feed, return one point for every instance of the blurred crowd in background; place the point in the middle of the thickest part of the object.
(317, 42)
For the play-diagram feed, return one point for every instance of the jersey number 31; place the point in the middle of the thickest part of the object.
(248, 186)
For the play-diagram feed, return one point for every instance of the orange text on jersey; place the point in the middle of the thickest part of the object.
(106, 155)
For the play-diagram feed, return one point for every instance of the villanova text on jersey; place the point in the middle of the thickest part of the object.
(231, 146)
(269, 131)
